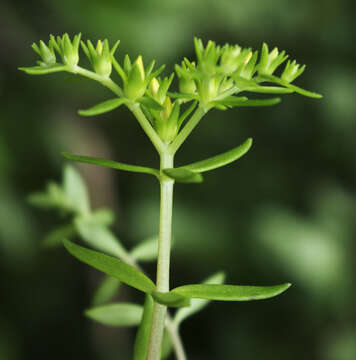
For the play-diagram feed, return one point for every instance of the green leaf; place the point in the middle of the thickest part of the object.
(232, 101)
(219, 160)
(170, 299)
(76, 190)
(106, 291)
(103, 107)
(269, 90)
(261, 102)
(183, 175)
(197, 304)
(150, 103)
(143, 333)
(55, 237)
(230, 292)
(118, 314)
(146, 250)
(99, 237)
(111, 266)
(42, 70)
(292, 87)
(182, 96)
(103, 216)
(111, 164)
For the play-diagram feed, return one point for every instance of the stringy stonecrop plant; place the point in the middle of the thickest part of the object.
(215, 80)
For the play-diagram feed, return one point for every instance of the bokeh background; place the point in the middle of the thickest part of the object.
(285, 212)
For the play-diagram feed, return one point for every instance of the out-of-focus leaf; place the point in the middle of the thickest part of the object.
(183, 175)
(118, 314)
(230, 292)
(146, 250)
(170, 299)
(76, 190)
(54, 197)
(219, 160)
(197, 305)
(103, 216)
(143, 333)
(56, 236)
(111, 266)
(106, 291)
(99, 237)
(111, 164)
(103, 107)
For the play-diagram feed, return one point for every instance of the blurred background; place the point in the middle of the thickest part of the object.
(285, 212)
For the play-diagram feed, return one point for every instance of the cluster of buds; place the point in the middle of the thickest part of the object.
(46, 52)
(270, 61)
(101, 56)
(165, 121)
(136, 77)
(67, 49)
(292, 71)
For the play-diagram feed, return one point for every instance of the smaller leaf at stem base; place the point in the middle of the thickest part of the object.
(183, 175)
(170, 299)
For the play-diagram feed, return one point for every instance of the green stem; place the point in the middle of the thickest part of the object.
(147, 127)
(163, 261)
(187, 129)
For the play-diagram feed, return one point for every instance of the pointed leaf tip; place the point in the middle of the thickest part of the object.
(103, 107)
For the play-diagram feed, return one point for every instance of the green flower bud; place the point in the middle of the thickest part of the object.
(187, 86)
(229, 61)
(292, 71)
(101, 56)
(46, 53)
(208, 89)
(270, 61)
(166, 124)
(136, 84)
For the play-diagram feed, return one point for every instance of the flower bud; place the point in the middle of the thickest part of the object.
(187, 86)
(46, 53)
(136, 84)
(292, 71)
(270, 61)
(70, 50)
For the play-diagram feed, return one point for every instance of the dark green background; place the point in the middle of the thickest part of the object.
(285, 212)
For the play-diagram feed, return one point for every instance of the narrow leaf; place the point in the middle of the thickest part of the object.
(55, 237)
(170, 299)
(261, 102)
(230, 292)
(111, 266)
(269, 90)
(103, 107)
(231, 101)
(103, 216)
(106, 291)
(146, 250)
(219, 160)
(75, 189)
(183, 175)
(42, 70)
(150, 103)
(118, 314)
(295, 88)
(110, 164)
(143, 333)
(182, 96)
(99, 237)
(197, 304)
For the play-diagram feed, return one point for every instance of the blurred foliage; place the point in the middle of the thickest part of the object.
(290, 216)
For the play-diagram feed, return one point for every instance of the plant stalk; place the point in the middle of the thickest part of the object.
(163, 260)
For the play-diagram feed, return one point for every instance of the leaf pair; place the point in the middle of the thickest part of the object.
(177, 297)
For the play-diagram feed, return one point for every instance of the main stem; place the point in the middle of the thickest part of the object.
(163, 260)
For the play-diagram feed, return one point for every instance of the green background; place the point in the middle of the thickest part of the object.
(284, 212)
